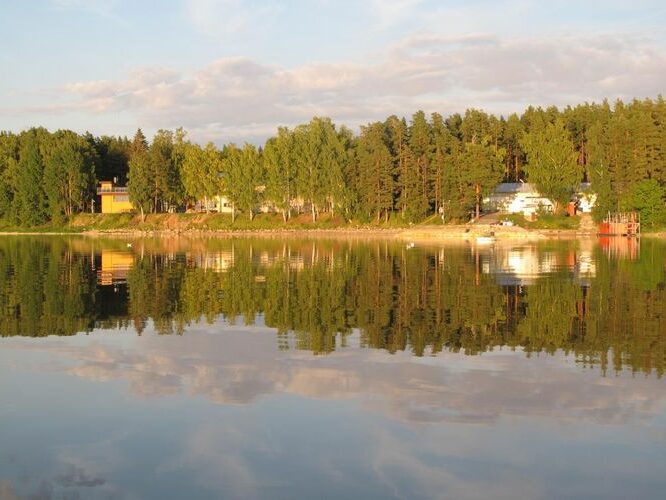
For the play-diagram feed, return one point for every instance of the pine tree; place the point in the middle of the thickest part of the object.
(397, 141)
(9, 158)
(417, 172)
(375, 168)
(443, 146)
(482, 169)
(29, 193)
(514, 154)
(139, 143)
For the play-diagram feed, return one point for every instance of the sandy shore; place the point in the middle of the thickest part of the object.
(415, 233)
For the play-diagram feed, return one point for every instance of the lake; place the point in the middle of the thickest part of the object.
(300, 368)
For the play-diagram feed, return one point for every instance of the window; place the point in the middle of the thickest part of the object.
(120, 198)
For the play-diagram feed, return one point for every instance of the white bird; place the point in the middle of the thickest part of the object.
(129, 245)
(410, 245)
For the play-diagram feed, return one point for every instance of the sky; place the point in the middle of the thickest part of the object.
(235, 70)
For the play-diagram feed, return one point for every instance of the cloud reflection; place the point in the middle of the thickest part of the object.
(240, 366)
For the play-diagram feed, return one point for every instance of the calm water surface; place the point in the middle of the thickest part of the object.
(331, 369)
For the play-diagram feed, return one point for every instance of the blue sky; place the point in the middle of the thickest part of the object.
(236, 69)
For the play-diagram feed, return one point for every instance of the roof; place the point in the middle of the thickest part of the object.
(526, 187)
(515, 187)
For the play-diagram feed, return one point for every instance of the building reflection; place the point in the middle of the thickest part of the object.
(114, 267)
(524, 265)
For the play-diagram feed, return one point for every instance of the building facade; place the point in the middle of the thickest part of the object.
(113, 199)
(518, 198)
(524, 198)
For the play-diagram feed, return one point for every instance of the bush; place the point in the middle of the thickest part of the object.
(647, 198)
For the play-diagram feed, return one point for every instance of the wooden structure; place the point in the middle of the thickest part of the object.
(621, 224)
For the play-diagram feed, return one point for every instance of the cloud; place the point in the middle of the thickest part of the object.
(238, 98)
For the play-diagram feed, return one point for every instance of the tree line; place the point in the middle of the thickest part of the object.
(396, 168)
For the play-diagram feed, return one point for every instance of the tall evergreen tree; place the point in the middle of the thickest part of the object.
(482, 169)
(30, 197)
(442, 157)
(140, 183)
(416, 179)
(375, 168)
(398, 145)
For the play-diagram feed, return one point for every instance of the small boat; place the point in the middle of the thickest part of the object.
(486, 239)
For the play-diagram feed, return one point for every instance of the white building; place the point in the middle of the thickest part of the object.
(524, 198)
(518, 198)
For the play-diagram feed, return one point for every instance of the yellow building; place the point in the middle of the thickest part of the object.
(115, 199)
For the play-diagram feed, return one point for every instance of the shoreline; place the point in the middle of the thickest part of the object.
(415, 233)
(218, 226)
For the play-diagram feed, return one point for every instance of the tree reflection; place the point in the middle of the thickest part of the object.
(606, 311)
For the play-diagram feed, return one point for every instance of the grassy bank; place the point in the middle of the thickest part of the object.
(82, 223)
(546, 221)
(111, 223)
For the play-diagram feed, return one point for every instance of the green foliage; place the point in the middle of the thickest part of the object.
(415, 177)
(140, 183)
(9, 157)
(552, 163)
(375, 166)
(69, 175)
(647, 198)
(546, 221)
(202, 172)
(166, 183)
(320, 162)
(29, 198)
(480, 170)
(428, 167)
(243, 177)
(114, 154)
(280, 168)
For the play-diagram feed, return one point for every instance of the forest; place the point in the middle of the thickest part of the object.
(396, 169)
(317, 293)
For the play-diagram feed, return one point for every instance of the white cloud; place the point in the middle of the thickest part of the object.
(240, 98)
